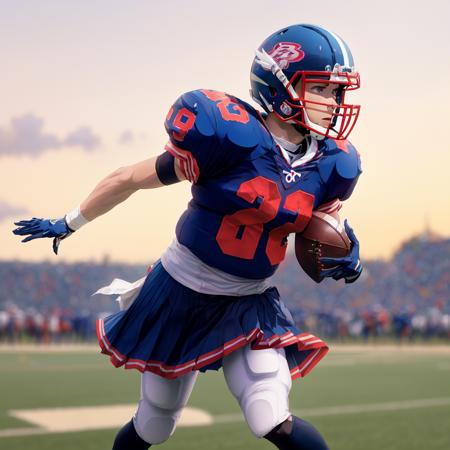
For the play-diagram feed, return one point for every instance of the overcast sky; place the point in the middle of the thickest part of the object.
(85, 87)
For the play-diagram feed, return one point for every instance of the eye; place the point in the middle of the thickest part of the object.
(317, 89)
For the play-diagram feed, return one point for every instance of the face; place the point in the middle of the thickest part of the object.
(320, 101)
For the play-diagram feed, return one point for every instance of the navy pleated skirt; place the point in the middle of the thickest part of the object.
(170, 329)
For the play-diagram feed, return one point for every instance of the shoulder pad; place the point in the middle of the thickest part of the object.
(212, 132)
(339, 167)
(238, 124)
(204, 121)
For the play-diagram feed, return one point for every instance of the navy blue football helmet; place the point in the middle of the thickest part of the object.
(294, 56)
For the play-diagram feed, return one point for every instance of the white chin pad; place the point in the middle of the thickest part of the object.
(260, 380)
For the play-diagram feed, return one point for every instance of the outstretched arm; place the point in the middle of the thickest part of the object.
(109, 192)
(120, 184)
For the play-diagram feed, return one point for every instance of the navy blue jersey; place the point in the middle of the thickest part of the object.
(246, 197)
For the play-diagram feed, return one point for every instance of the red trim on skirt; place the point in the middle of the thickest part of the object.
(304, 342)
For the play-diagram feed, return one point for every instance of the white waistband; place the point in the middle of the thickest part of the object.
(190, 271)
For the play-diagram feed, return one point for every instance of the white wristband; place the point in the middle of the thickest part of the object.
(75, 220)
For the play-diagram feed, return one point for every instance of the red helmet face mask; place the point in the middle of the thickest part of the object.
(287, 65)
(339, 116)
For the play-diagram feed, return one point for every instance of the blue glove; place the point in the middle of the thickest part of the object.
(40, 228)
(348, 267)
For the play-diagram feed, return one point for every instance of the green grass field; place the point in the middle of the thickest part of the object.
(360, 399)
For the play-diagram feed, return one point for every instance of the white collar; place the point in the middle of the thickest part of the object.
(288, 151)
(286, 145)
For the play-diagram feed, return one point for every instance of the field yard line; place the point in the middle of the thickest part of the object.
(314, 412)
(13, 432)
(352, 409)
(377, 407)
(81, 418)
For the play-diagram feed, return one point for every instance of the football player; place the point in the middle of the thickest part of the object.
(256, 178)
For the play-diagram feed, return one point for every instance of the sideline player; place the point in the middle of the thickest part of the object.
(255, 178)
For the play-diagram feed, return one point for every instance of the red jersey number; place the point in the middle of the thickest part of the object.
(301, 203)
(229, 109)
(183, 122)
(239, 233)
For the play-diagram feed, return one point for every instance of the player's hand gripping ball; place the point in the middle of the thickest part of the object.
(325, 249)
(43, 228)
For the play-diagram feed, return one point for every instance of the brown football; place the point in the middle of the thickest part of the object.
(324, 236)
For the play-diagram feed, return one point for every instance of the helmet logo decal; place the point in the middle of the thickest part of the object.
(285, 53)
(285, 109)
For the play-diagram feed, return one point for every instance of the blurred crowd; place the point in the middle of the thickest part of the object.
(406, 297)
(46, 302)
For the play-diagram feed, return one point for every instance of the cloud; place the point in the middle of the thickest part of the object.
(83, 137)
(126, 138)
(7, 210)
(25, 135)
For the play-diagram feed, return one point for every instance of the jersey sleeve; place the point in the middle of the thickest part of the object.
(206, 144)
(339, 172)
(191, 133)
